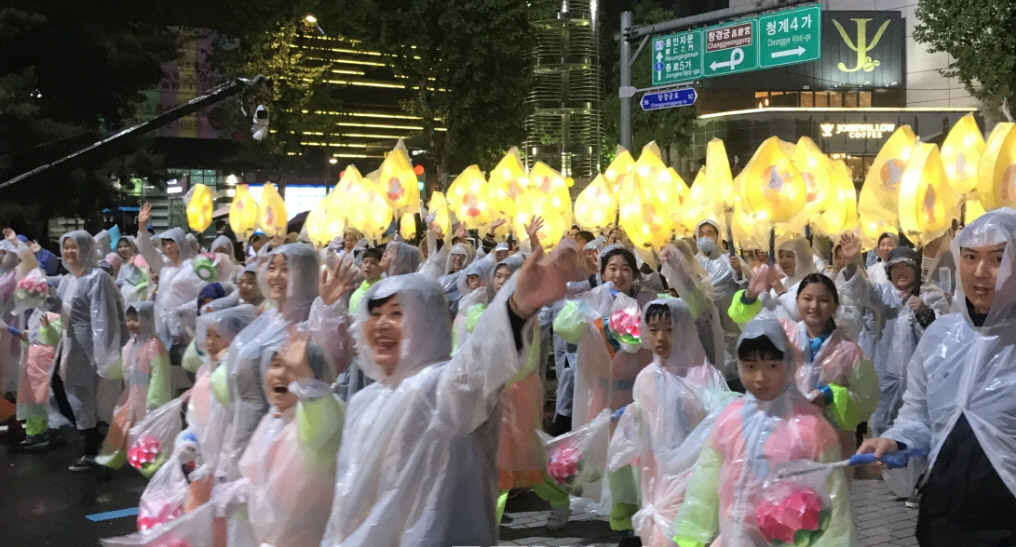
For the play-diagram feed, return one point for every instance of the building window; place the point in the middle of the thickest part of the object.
(814, 99)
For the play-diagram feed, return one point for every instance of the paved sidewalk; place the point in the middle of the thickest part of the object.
(881, 521)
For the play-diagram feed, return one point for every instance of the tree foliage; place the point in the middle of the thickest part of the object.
(672, 126)
(980, 37)
(468, 65)
(72, 73)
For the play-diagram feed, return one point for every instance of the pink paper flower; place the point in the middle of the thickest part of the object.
(781, 520)
(144, 451)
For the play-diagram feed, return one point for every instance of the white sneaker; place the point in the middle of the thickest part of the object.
(558, 518)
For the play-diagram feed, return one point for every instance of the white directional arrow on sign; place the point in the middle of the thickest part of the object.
(798, 51)
(736, 58)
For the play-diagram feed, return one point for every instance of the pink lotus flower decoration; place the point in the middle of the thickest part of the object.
(564, 463)
(625, 325)
(781, 521)
(144, 451)
(147, 520)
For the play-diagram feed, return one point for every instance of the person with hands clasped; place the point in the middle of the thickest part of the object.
(960, 398)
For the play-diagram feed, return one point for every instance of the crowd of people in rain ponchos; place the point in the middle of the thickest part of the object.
(391, 394)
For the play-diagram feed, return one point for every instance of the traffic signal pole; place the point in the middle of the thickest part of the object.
(630, 34)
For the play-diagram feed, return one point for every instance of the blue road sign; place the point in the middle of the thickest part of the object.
(669, 99)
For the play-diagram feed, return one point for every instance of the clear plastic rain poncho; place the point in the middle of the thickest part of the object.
(16, 261)
(406, 259)
(785, 305)
(960, 369)
(417, 464)
(289, 466)
(302, 309)
(484, 269)
(450, 280)
(901, 331)
(676, 401)
(93, 329)
(693, 286)
(751, 441)
(222, 248)
(133, 275)
(103, 244)
(144, 366)
(178, 289)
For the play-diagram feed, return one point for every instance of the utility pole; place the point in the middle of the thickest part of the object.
(630, 33)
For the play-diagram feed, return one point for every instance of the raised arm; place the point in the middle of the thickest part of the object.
(146, 248)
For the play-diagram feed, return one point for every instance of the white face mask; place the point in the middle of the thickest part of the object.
(706, 244)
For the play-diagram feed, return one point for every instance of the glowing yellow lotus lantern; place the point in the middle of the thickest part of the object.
(468, 198)
(698, 205)
(773, 188)
(326, 220)
(879, 201)
(972, 210)
(719, 178)
(961, 153)
(595, 207)
(507, 181)
(367, 209)
(871, 230)
(622, 165)
(839, 212)
(546, 196)
(438, 207)
(399, 182)
(748, 232)
(677, 195)
(243, 212)
(928, 204)
(272, 213)
(199, 207)
(996, 177)
(815, 169)
(407, 226)
(642, 218)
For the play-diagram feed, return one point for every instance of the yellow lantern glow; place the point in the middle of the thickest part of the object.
(972, 210)
(367, 210)
(243, 212)
(272, 213)
(879, 201)
(996, 177)
(595, 207)
(407, 226)
(622, 165)
(507, 181)
(546, 196)
(327, 220)
(961, 153)
(748, 230)
(698, 205)
(468, 198)
(719, 177)
(839, 212)
(199, 208)
(648, 225)
(928, 204)
(773, 188)
(815, 169)
(399, 182)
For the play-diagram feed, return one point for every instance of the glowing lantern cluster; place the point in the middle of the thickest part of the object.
(398, 181)
(507, 181)
(546, 196)
(718, 177)
(815, 170)
(468, 198)
(272, 213)
(651, 201)
(838, 214)
(199, 207)
(928, 204)
(243, 212)
(878, 206)
(961, 153)
(595, 207)
(996, 179)
(773, 187)
(698, 204)
(327, 220)
(367, 210)
(622, 165)
(407, 226)
(438, 207)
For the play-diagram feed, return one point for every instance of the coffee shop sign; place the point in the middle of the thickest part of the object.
(857, 130)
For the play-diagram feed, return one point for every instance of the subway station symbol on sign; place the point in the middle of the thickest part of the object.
(789, 37)
(677, 57)
(731, 48)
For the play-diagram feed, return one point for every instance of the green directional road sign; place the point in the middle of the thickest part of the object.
(677, 57)
(788, 37)
(767, 41)
(731, 48)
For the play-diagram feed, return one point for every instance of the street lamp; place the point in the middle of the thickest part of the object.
(312, 22)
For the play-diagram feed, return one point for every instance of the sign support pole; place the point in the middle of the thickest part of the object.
(626, 91)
